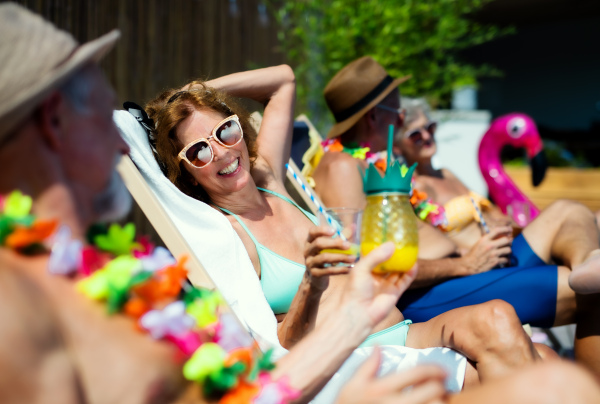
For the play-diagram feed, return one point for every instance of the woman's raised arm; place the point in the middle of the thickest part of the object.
(275, 88)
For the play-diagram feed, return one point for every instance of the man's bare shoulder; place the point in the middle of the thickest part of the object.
(21, 298)
(339, 182)
(338, 163)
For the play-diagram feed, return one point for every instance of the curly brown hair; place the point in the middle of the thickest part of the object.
(172, 107)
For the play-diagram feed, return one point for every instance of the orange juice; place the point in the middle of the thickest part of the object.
(402, 260)
(353, 250)
(389, 216)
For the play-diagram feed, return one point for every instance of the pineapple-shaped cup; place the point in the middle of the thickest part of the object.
(389, 216)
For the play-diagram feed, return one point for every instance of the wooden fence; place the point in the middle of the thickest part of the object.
(165, 43)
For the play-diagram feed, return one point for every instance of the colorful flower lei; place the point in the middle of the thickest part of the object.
(358, 151)
(146, 283)
(427, 210)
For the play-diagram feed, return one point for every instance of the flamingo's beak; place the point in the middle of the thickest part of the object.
(538, 168)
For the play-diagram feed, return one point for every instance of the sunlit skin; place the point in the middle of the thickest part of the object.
(264, 214)
(222, 188)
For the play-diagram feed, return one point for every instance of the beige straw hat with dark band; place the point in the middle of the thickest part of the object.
(36, 58)
(355, 89)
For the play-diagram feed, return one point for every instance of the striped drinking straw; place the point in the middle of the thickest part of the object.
(484, 225)
(308, 192)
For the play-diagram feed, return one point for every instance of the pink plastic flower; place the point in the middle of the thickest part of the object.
(274, 392)
(144, 247)
(187, 342)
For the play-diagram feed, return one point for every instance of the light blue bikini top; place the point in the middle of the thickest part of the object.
(279, 276)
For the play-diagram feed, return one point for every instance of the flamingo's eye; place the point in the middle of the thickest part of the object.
(516, 127)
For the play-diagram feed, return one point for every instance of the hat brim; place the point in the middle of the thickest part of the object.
(347, 123)
(23, 104)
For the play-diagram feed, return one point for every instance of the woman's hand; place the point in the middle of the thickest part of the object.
(366, 388)
(375, 295)
(320, 265)
(491, 250)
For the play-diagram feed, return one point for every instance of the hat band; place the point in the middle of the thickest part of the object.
(363, 102)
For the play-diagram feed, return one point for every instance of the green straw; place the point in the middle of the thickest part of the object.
(387, 167)
(390, 145)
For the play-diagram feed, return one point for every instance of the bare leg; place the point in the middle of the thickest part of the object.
(471, 377)
(565, 299)
(545, 352)
(490, 335)
(549, 382)
(585, 278)
(566, 231)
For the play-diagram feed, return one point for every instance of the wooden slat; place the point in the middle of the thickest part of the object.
(166, 43)
(161, 222)
(582, 185)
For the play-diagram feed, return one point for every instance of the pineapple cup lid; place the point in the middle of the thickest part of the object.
(397, 179)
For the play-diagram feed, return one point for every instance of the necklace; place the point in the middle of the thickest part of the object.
(132, 276)
(360, 151)
(428, 210)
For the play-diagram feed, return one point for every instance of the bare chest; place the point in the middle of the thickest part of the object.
(117, 363)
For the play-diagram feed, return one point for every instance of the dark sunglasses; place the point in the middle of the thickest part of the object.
(199, 153)
(416, 135)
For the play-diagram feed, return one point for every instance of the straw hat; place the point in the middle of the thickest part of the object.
(37, 58)
(355, 89)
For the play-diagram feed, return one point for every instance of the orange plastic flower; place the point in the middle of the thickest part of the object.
(166, 284)
(243, 393)
(149, 291)
(173, 277)
(381, 164)
(336, 146)
(37, 233)
(417, 196)
(136, 307)
(243, 355)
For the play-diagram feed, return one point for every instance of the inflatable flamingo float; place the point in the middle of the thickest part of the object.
(516, 130)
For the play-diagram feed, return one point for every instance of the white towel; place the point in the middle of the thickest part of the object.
(220, 250)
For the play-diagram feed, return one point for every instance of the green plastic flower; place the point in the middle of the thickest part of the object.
(207, 359)
(119, 240)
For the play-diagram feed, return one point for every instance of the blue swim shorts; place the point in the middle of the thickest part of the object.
(530, 287)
